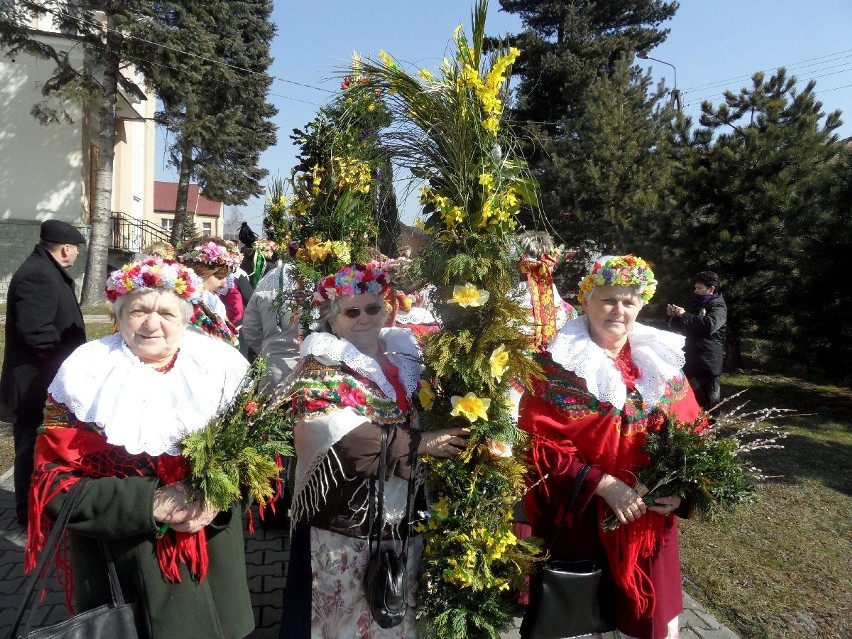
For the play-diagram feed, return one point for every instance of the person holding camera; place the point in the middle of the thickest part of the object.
(703, 325)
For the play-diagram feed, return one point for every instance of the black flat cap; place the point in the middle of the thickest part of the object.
(59, 232)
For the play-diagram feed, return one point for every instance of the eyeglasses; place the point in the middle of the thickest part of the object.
(370, 309)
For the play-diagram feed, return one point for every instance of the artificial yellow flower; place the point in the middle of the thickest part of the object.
(470, 406)
(386, 58)
(499, 362)
(487, 180)
(425, 394)
(468, 296)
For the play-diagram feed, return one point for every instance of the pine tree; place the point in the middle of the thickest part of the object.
(590, 121)
(212, 79)
(753, 195)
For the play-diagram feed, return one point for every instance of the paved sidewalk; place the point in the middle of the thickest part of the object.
(267, 552)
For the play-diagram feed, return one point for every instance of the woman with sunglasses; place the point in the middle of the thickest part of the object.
(355, 377)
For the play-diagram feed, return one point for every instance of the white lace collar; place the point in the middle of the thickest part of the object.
(659, 355)
(103, 383)
(399, 345)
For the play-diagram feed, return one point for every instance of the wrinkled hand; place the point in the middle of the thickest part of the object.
(625, 502)
(171, 506)
(665, 505)
(447, 442)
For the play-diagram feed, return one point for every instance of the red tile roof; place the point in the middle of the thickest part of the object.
(165, 195)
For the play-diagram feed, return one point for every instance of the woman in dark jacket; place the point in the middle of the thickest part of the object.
(703, 324)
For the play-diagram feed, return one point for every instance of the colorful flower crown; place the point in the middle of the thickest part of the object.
(622, 270)
(265, 247)
(155, 273)
(352, 279)
(214, 254)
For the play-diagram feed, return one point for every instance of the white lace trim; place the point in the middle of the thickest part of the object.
(399, 345)
(659, 355)
(417, 315)
(144, 411)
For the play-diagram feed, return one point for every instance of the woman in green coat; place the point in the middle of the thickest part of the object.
(115, 412)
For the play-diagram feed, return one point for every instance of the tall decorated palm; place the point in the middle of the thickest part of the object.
(447, 130)
(326, 213)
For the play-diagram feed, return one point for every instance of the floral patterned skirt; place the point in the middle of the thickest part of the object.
(339, 608)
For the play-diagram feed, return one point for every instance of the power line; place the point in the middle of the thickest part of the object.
(794, 65)
(197, 56)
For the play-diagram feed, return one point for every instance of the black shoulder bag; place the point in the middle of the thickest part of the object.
(385, 583)
(112, 620)
(569, 598)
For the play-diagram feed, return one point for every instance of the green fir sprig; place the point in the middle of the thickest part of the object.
(238, 452)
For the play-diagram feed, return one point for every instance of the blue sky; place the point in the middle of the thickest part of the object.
(714, 46)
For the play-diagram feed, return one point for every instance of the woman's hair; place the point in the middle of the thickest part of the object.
(118, 304)
(162, 249)
(633, 290)
(535, 243)
(709, 278)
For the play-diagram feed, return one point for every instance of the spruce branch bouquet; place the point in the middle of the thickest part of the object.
(238, 452)
(706, 464)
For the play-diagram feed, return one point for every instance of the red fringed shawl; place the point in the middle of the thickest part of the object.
(68, 450)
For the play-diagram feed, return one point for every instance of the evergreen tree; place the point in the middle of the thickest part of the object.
(98, 29)
(754, 195)
(212, 79)
(590, 121)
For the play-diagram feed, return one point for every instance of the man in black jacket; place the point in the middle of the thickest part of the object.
(44, 325)
(704, 327)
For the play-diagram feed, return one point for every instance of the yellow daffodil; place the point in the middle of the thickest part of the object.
(470, 406)
(499, 361)
(468, 296)
(426, 394)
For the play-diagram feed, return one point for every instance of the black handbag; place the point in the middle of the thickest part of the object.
(386, 582)
(570, 598)
(110, 621)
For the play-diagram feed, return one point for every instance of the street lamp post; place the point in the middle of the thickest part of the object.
(675, 92)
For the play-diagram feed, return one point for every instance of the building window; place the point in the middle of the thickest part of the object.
(167, 223)
(207, 228)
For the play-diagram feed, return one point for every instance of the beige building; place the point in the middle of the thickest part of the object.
(209, 214)
(47, 172)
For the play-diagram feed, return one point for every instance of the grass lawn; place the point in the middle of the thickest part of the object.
(782, 567)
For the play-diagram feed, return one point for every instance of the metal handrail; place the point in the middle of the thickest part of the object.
(133, 235)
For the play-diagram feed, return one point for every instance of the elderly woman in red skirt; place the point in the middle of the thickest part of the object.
(610, 381)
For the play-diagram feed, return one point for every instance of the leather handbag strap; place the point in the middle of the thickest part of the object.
(35, 582)
(575, 490)
(377, 523)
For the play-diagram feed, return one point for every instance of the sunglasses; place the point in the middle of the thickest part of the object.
(370, 309)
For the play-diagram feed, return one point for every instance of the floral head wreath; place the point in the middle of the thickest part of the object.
(265, 247)
(622, 270)
(352, 279)
(214, 254)
(155, 273)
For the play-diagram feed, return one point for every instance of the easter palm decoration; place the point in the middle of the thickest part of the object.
(447, 131)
